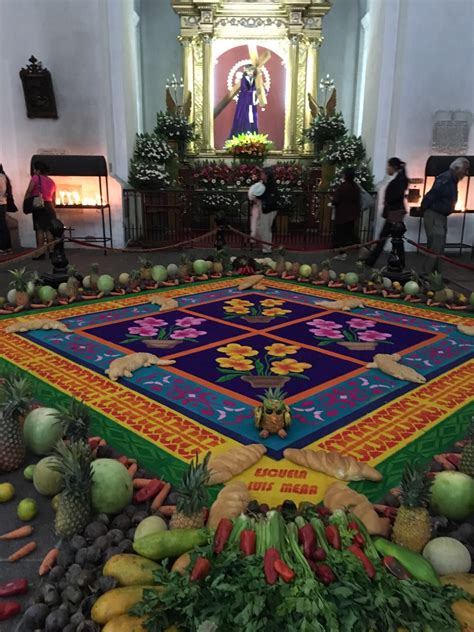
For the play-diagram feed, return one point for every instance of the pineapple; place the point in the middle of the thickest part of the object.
(75, 419)
(412, 527)
(20, 284)
(74, 502)
(16, 402)
(442, 294)
(466, 464)
(192, 496)
(93, 276)
(72, 291)
(134, 279)
(145, 268)
(184, 268)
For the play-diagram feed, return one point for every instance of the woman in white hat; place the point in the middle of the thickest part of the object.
(263, 196)
(254, 194)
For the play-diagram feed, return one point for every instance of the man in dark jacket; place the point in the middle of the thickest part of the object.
(437, 205)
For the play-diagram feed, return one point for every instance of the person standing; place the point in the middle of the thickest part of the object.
(347, 206)
(41, 185)
(437, 205)
(5, 187)
(393, 206)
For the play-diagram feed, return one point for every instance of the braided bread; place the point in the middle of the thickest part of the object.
(346, 468)
(225, 466)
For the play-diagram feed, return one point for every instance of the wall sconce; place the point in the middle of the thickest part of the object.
(38, 90)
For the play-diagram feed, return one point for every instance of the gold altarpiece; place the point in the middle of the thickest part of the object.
(291, 28)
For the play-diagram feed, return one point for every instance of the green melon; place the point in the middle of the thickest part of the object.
(411, 287)
(11, 296)
(305, 271)
(123, 279)
(45, 479)
(42, 430)
(200, 267)
(159, 273)
(172, 269)
(112, 487)
(86, 282)
(47, 293)
(351, 278)
(63, 289)
(105, 283)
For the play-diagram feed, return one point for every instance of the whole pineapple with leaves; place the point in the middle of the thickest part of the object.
(412, 528)
(74, 503)
(15, 396)
(20, 284)
(146, 266)
(466, 464)
(72, 291)
(93, 276)
(134, 279)
(441, 293)
(192, 496)
(184, 268)
(75, 419)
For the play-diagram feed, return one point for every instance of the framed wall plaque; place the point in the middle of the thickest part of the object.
(38, 90)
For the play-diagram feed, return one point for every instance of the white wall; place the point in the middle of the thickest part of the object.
(71, 38)
(420, 59)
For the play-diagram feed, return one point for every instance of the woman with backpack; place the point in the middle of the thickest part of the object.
(42, 188)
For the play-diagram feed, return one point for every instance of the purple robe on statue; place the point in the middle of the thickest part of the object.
(246, 117)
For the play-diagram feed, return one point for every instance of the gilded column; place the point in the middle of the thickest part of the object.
(291, 97)
(311, 84)
(208, 98)
(188, 79)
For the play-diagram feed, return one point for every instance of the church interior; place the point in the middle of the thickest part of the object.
(236, 316)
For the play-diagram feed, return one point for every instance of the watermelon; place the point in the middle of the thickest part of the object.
(351, 278)
(112, 487)
(42, 430)
(159, 273)
(47, 293)
(105, 283)
(200, 267)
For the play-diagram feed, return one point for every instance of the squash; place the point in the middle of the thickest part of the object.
(130, 570)
(125, 623)
(112, 487)
(46, 480)
(465, 581)
(118, 601)
(150, 525)
(42, 430)
(464, 613)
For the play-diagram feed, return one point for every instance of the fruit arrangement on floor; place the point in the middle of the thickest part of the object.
(28, 292)
(135, 553)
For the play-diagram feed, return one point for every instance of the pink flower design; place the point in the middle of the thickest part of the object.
(372, 336)
(360, 323)
(146, 330)
(326, 333)
(189, 321)
(187, 333)
(152, 322)
(324, 324)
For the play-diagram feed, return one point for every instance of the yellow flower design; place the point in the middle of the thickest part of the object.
(280, 350)
(236, 309)
(235, 350)
(271, 302)
(236, 362)
(289, 365)
(276, 311)
(239, 301)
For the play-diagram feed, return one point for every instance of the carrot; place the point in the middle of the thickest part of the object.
(161, 496)
(22, 552)
(49, 561)
(102, 442)
(21, 532)
(123, 460)
(139, 483)
(168, 510)
(132, 470)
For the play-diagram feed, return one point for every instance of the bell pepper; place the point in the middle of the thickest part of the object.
(269, 559)
(222, 535)
(248, 542)
(9, 609)
(201, 569)
(307, 538)
(284, 571)
(333, 536)
(15, 587)
(366, 563)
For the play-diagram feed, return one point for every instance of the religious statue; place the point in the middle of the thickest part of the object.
(246, 113)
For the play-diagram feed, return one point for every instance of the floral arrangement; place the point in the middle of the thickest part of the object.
(348, 149)
(152, 148)
(144, 174)
(211, 174)
(223, 203)
(358, 330)
(362, 171)
(158, 329)
(244, 175)
(174, 127)
(245, 362)
(325, 128)
(288, 174)
(267, 308)
(251, 145)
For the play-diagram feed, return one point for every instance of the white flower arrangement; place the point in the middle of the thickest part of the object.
(325, 128)
(149, 147)
(219, 202)
(348, 149)
(362, 175)
(148, 175)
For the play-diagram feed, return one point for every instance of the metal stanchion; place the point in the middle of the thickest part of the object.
(396, 260)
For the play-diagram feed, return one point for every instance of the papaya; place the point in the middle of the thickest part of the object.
(464, 613)
(125, 623)
(130, 570)
(181, 564)
(170, 544)
(118, 601)
(461, 580)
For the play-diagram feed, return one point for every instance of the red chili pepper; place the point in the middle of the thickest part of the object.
(149, 491)
(323, 511)
(324, 573)
(15, 587)
(223, 531)
(354, 526)
(248, 542)
(269, 559)
(394, 567)
(333, 536)
(201, 569)
(359, 540)
(319, 554)
(359, 553)
(284, 571)
(9, 609)
(307, 538)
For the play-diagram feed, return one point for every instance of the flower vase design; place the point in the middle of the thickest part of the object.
(261, 370)
(157, 333)
(262, 312)
(358, 335)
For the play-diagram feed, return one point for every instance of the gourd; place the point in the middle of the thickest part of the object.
(46, 480)
(42, 430)
(112, 487)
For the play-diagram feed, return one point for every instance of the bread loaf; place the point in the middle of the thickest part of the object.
(231, 501)
(345, 468)
(339, 496)
(225, 466)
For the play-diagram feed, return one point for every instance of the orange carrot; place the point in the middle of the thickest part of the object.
(49, 561)
(139, 483)
(132, 470)
(123, 460)
(102, 442)
(161, 497)
(21, 532)
(168, 510)
(22, 552)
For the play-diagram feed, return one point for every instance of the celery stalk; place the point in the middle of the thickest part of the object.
(320, 534)
(240, 524)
